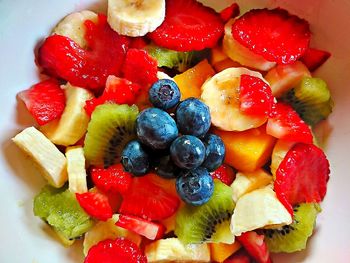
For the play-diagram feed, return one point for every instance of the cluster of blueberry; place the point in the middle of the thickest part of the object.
(178, 147)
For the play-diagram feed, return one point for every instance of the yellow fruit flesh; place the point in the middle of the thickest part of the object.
(191, 81)
(248, 150)
(74, 121)
(279, 152)
(249, 181)
(219, 251)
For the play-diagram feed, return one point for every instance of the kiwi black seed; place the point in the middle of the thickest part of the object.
(111, 127)
(311, 99)
(209, 222)
(291, 238)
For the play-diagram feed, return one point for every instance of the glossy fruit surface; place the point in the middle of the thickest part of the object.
(214, 152)
(164, 94)
(135, 159)
(187, 152)
(193, 117)
(195, 187)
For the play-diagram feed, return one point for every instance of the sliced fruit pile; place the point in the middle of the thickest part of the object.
(179, 133)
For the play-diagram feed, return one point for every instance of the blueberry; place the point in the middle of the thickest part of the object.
(155, 128)
(214, 152)
(187, 152)
(166, 168)
(134, 158)
(193, 117)
(164, 94)
(195, 187)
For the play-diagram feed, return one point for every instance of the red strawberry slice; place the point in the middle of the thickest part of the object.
(285, 123)
(138, 42)
(147, 199)
(45, 101)
(119, 250)
(112, 180)
(225, 174)
(140, 68)
(142, 227)
(255, 246)
(95, 204)
(240, 256)
(302, 176)
(62, 57)
(118, 90)
(188, 25)
(274, 34)
(255, 96)
(230, 12)
(314, 58)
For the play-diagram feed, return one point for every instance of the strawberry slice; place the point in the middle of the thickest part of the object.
(255, 246)
(302, 176)
(147, 199)
(230, 12)
(188, 25)
(112, 180)
(62, 57)
(285, 123)
(95, 204)
(120, 250)
(255, 96)
(118, 90)
(140, 68)
(240, 256)
(225, 174)
(142, 227)
(45, 101)
(274, 34)
(314, 58)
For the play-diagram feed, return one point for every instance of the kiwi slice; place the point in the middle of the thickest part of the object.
(61, 210)
(111, 127)
(209, 222)
(181, 61)
(291, 238)
(312, 100)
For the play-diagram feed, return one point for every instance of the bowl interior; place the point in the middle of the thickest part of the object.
(25, 23)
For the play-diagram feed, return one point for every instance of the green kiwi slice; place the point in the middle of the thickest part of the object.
(181, 61)
(312, 100)
(111, 127)
(292, 238)
(61, 210)
(209, 222)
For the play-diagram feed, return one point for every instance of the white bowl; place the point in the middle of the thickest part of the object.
(23, 23)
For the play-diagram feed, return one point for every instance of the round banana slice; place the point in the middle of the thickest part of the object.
(72, 26)
(135, 17)
(221, 94)
(239, 53)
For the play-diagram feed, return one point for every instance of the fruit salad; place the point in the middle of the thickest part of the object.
(168, 131)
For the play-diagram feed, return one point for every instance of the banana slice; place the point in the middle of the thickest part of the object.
(76, 169)
(171, 249)
(279, 152)
(72, 26)
(135, 17)
(74, 121)
(257, 209)
(239, 53)
(221, 94)
(49, 159)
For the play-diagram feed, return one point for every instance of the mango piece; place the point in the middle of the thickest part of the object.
(248, 150)
(226, 63)
(249, 181)
(220, 251)
(217, 55)
(191, 81)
